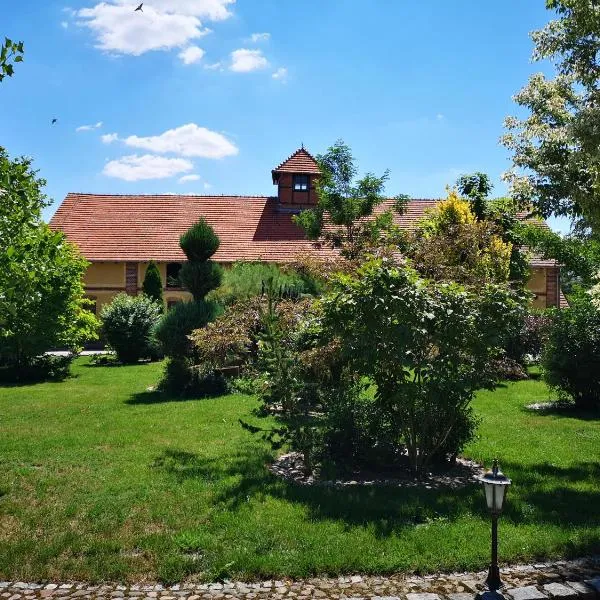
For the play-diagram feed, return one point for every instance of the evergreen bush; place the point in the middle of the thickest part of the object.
(199, 242)
(153, 285)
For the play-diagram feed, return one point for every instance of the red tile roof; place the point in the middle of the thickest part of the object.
(301, 162)
(140, 228)
(144, 227)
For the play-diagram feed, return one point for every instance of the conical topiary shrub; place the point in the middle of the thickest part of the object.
(199, 275)
(153, 285)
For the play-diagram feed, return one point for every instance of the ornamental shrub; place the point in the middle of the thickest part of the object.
(127, 325)
(153, 285)
(199, 275)
(426, 346)
(199, 242)
(571, 357)
(199, 278)
(176, 325)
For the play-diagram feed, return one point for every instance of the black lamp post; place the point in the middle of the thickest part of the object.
(495, 485)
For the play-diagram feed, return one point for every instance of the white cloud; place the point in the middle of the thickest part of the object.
(148, 166)
(161, 25)
(109, 138)
(64, 24)
(89, 127)
(192, 177)
(187, 140)
(281, 73)
(260, 37)
(440, 117)
(191, 55)
(244, 60)
(207, 186)
(214, 66)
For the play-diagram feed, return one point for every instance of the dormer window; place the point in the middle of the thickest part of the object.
(300, 183)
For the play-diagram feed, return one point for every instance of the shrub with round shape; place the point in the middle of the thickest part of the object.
(127, 325)
(571, 358)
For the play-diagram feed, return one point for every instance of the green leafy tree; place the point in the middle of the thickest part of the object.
(42, 301)
(153, 285)
(10, 53)
(344, 201)
(555, 148)
(476, 187)
(426, 346)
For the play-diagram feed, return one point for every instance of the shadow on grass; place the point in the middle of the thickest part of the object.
(156, 397)
(544, 494)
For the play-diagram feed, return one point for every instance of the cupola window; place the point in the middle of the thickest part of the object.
(300, 183)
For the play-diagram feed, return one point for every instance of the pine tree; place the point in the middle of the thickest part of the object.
(153, 285)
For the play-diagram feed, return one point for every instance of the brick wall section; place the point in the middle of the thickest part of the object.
(552, 288)
(131, 278)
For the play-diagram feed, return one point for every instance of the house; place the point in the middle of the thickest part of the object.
(120, 234)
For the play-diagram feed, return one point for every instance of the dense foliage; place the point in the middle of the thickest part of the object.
(382, 367)
(555, 149)
(344, 202)
(426, 346)
(153, 285)
(244, 280)
(41, 291)
(571, 357)
(127, 326)
(452, 244)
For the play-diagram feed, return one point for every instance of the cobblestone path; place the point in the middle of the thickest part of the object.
(561, 580)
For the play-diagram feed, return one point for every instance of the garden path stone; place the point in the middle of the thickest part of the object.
(529, 592)
(559, 591)
(461, 596)
(584, 591)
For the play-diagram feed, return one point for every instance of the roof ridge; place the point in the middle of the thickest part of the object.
(302, 149)
(96, 195)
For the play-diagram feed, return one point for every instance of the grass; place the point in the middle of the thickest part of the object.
(101, 480)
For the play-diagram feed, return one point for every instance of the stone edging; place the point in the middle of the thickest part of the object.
(560, 580)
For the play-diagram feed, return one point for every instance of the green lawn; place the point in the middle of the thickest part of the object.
(99, 479)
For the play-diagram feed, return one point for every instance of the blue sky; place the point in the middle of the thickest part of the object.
(207, 96)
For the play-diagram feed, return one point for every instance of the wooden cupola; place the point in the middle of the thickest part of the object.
(295, 179)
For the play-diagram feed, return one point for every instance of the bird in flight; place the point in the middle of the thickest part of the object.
(139, 8)
(54, 121)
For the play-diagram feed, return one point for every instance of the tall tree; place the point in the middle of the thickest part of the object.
(10, 53)
(556, 148)
(476, 187)
(344, 201)
(41, 289)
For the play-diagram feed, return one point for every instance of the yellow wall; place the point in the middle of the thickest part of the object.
(537, 285)
(112, 275)
(105, 274)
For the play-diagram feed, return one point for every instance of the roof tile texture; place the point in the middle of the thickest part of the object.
(147, 227)
(301, 162)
